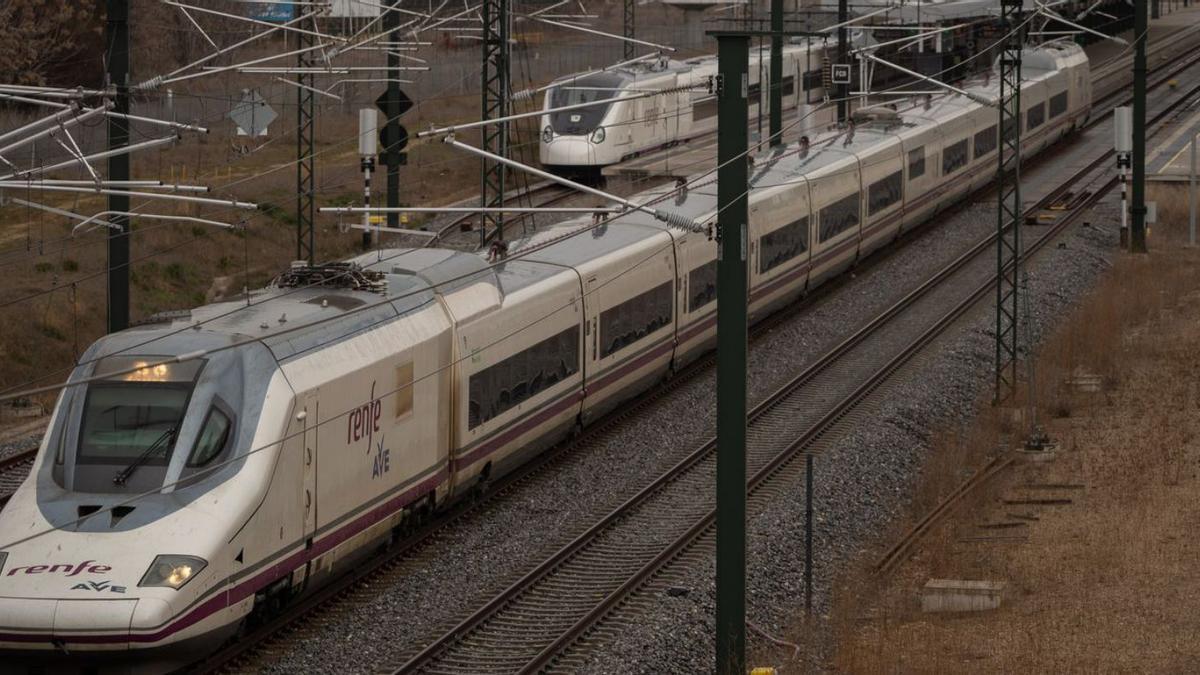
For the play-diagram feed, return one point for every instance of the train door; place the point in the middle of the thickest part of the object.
(591, 333)
(310, 412)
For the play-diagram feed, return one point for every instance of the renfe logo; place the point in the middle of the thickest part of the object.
(363, 421)
(89, 566)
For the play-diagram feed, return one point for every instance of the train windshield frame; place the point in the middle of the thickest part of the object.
(134, 410)
(584, 89)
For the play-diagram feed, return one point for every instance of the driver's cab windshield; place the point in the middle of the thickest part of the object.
(592, 88)
(133, 412)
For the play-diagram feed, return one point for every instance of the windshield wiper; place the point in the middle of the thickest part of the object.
(124, 474)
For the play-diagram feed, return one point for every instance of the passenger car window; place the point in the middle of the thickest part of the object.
(916, 163)
(838, 217)
(783, 244)
(404, 389)
(212, 439)
(702, 285)
(527, 373)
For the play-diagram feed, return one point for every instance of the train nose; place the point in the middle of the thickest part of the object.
(46, 621)
(569, 151)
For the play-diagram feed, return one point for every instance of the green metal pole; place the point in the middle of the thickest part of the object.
(733, 54)
(1137, 231)
(842, 91)
(391, 113)
(117, 40)
(776, 93)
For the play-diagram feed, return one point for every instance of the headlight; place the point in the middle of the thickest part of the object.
(172, 571)
(3, 559)
(547, 135)
(598, 135)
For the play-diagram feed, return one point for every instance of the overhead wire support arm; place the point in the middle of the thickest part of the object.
(601, 33)
(669, 217)
(439, 131)
(962, 92)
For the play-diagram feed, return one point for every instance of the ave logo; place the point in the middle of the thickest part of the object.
(98, 587)
(382, 462)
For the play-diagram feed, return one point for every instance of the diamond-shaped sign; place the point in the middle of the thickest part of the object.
(252, 114)
(404, 103)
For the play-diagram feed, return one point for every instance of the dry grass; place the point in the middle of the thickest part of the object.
(1106, 583)
(55, 305)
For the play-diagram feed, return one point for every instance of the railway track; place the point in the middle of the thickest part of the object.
(542, 621)
(414, 552)
(15, 465)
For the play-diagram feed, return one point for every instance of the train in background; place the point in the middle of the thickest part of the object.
(203, 471)
(582, 141)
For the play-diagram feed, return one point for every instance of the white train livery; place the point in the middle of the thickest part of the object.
(279, 441)
(587, 139)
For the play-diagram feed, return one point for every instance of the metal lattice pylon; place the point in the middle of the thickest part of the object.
(1008, 221)
(305, 180)
(629, 16)
(495, 105)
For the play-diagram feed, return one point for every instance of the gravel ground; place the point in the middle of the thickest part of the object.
(863, 483)
(517, 532)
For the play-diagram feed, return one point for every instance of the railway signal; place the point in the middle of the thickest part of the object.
(394, 103)
(393, 137)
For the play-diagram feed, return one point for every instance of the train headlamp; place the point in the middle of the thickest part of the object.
(547, 134)
(172, 571)
(598, 135)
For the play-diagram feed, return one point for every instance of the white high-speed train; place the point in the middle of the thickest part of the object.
(586, 139)
(202, 470)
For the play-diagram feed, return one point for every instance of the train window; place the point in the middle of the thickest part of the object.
(1035, 116)
(839, 216)
(404, 389)
(212, 440)
(812, 80)
(884, 193)
(634, 319)
(122, 422)
(506, 384)
(954, 157)
(789, 85)
(702, 285)
(591, 88)
(985, 141)
(783, 244)
(916, 163)
(704, 109)
(1058, 104)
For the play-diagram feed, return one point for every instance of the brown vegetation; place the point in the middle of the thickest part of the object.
(1104, 581)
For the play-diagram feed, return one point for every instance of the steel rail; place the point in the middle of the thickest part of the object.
(411, 545)
(488, 613)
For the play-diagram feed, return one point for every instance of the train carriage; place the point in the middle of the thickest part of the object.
(780, 250)
(201, 471)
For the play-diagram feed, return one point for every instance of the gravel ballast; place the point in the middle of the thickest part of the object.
(512, 535)
(865, 482)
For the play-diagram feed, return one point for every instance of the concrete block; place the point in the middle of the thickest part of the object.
(959, 595)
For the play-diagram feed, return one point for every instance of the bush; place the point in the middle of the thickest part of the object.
(51, 332)
(43, 267)
(69, 265)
